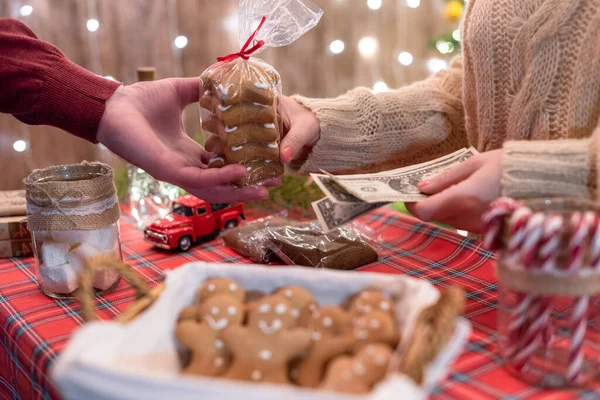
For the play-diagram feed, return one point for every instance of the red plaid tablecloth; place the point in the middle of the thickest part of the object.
(35, 328)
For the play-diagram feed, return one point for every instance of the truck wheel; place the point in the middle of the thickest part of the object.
(185, 243)
(232, 223)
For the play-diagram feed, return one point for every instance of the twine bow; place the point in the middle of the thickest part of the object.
(246, 50)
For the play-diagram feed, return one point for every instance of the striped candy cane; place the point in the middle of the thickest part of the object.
(521, 349)
(580, 229)
(493, 221)
(538, 327)
(517, 225)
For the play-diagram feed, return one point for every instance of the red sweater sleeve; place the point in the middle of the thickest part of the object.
(40, 86)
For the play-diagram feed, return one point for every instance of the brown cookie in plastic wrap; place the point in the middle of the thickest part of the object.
(306, 245)
(239, 108)
(242, 238)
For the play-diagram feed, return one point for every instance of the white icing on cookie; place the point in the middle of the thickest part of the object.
(265, 354)
(219, 344)
(260, 105)
(264, 308)
(316, 336)
(214, 310)
(207, 93)
(220, 107)
(256, 375)
(295, 312)
(288, 293)
(270, 126)
(211, 287)
(219, 361)
(272, 328)
(380, 359)
(327, 322)
(249, 169)
(273, 145)
(359, 368)
(261, 85)
(384, 305)
(229, 129)
(217, 325)
(232, 287)
(374, 324)
(268, 161)
(280, 309)
(215, 159)
(231, 310)
(223, 91)
(237, 148)
(361, 334)
(364, 308)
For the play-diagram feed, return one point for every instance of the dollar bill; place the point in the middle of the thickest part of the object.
(400, 184)
(333, 215)
(333, 190)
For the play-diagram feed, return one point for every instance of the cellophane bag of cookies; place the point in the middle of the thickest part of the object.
(305, 244)
(240, 93)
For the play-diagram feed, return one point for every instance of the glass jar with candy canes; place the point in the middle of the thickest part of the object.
(548, 269)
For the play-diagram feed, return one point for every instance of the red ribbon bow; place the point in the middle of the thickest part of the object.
(245, 52)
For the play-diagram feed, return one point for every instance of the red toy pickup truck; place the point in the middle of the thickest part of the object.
(192, 219)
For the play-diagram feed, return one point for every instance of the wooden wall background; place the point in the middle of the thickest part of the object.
(135, 33)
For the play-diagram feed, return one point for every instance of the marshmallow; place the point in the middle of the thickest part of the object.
(102, 238)
(105, 278)
(54, 254)
(78, 256)
(70, 237)
(60, 279)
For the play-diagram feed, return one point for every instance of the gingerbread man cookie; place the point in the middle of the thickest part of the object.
(371, 363)
(189, 313)
(303, 302)
(209, 355)
(341, 377)
(214, 286)
(262, 350)
(331, 332)
(374, 327)
(360, 373)
(371, 300)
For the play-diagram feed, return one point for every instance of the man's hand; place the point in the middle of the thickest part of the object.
(462, 194)
(142, 124)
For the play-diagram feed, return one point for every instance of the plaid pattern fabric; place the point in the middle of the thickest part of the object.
(36, 328)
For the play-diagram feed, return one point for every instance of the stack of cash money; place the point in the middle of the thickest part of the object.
(351, 196)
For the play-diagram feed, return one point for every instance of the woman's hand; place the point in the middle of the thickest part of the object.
(300, 127)
(142, 123)
(463, 193)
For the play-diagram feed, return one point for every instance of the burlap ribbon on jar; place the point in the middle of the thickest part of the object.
(71, 197)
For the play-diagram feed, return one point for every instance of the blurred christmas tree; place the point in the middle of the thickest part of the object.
(449, 43)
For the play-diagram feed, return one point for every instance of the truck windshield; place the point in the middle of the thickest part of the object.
(182, 210)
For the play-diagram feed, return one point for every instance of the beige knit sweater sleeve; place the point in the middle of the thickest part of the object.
(366, 132)
(551, 168)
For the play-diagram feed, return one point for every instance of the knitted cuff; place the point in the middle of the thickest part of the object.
(340, 146)
(73, 99)
(553, 168)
